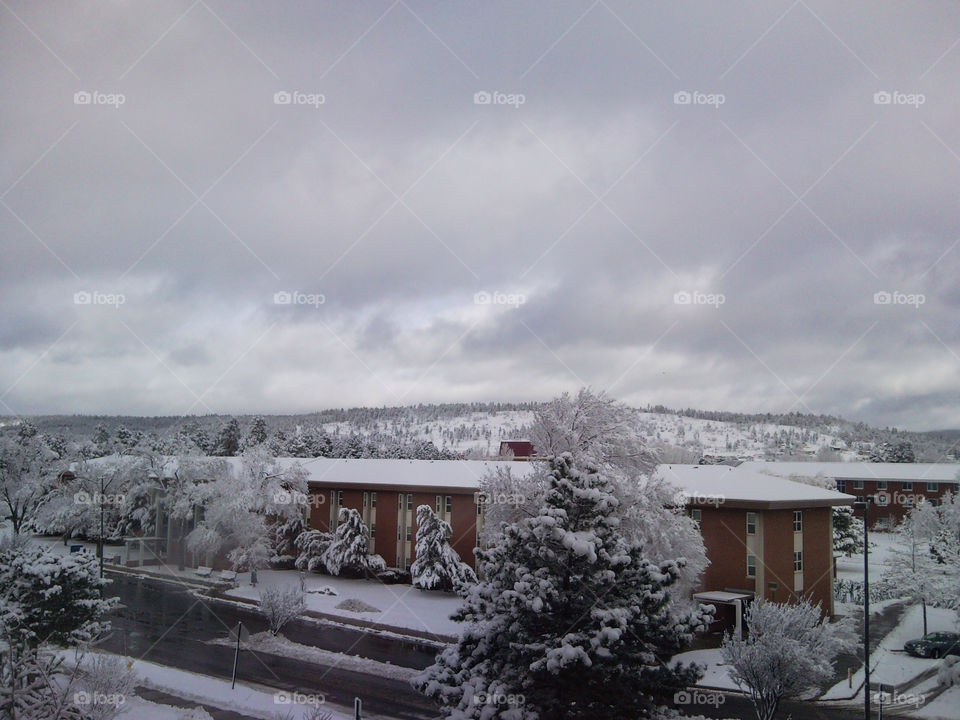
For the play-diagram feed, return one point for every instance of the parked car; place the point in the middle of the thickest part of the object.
(934, 645)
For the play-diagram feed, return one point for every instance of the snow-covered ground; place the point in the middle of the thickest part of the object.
(716, 675)
(401, 606)
(881, 547)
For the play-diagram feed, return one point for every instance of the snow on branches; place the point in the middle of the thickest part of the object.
(438, 566)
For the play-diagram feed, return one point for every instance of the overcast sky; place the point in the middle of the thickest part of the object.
(282, 207)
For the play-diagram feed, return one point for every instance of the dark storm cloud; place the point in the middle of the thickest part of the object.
(745, 206)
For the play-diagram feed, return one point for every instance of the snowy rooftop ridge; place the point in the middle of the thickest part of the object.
(745, 487)
(915, 472)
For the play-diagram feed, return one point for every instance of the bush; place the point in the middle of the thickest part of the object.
(394, 576)
(280, 605)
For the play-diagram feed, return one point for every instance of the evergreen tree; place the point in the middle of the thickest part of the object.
(847, 531)
(348, 552)
(228, 440)
(311, 546)
(437, 567)
(257, 434)
(570, 622)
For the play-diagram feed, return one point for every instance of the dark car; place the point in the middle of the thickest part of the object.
(935, 645)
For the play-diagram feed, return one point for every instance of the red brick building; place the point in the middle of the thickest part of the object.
(765, 536)
(895, 487)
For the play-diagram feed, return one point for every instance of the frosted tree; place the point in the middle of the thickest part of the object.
(790, 649)
(228, 439)
(348, 552)
(437, 565)
(280, 605)
(598, 431)
(847, 532)
(571, 620)
(28, 469)
(257, 433)
(311, 546)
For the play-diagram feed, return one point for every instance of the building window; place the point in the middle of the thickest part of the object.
(933, 501)
(883, 522)
(409, 533)
(406, 564)
(751, 566)
(373, 499)
(798, 521)
(438, 503)
(696, 515)
(841, 485)
(366, 499)
(798, 561)
(907, 485)
(448, 504)
(373, 529)
(400, 500)
(409, 501)
(751, 523)
(931, 486)
(479, 508)
(858, 484)
(881, 484)
(399, 530)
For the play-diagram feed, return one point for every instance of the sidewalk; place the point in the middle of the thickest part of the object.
(165, 698)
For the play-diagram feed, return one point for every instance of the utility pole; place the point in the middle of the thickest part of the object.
(100, 541)
(865, 506)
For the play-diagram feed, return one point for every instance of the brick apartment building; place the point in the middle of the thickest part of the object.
(765, 537)
(895, 487)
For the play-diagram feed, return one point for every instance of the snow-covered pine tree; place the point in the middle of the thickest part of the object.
(349, 553)
(437, 565)
(311, 546)
(847, 532)
(257, 434)
(570, 621)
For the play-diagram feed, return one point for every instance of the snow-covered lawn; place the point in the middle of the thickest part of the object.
(717, 675)
(890, 664)
(881, 546)
(401, 606)
(944, 707)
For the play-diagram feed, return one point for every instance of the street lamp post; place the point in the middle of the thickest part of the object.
(865, 506)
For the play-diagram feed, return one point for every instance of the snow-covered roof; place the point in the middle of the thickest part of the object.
(915, 472)
(745, 487)
(462, 475)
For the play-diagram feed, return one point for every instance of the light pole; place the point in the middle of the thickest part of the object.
(865, 506)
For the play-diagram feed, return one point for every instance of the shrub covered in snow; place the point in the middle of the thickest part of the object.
(348, 552)
(280, 605)
(790, 648)
(437, 567)
(570, 619)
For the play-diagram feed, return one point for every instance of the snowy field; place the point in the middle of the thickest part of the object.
(881, 546)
